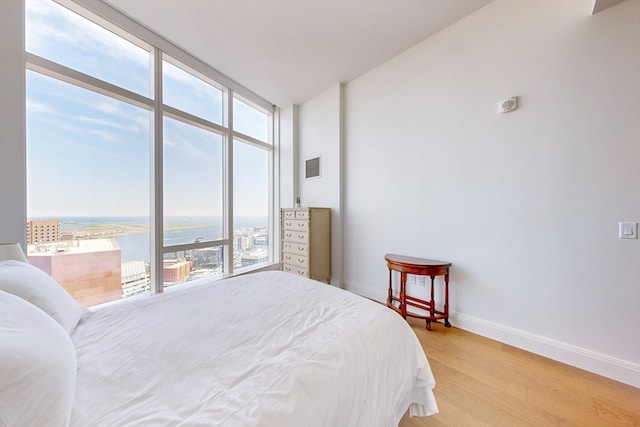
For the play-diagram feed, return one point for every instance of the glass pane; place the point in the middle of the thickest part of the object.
(192, 184)
(182, 266)
(87, 190)
(188, 93)
(250, 121)
(250, 205)
(57, 34)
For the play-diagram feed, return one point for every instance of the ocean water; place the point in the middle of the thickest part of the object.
(135, 247)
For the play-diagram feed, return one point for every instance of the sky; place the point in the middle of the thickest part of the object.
(89, 154)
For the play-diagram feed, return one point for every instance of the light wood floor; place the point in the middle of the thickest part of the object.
(481, 382)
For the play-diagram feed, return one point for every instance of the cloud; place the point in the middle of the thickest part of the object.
(169, 143)
(35, 107)
(104, 135)
(79, 134)
(138, 118)
(51, 26)
(187, 148)
(104, 122)
(115, 117)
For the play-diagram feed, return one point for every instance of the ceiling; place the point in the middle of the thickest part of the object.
(600, 5)
(288, 51)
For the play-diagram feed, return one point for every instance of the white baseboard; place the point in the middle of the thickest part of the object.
(601, 364)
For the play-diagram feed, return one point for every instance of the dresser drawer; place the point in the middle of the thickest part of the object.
(295, 248)
(295, 236)
(295, 225)
(295, 259)
(303, 214)
(288, 214)
(295, 270)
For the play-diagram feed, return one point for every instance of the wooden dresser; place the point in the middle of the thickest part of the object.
(306, 242)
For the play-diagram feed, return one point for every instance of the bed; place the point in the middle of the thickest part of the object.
(263, 349)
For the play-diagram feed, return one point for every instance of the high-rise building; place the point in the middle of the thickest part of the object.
(176, 271)
(256, 256)
(135, 278)
(43, 231)
(90, 270)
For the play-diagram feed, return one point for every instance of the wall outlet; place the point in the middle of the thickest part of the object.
(628, 230)
(414, 279)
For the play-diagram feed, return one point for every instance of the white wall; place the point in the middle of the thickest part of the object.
(320, 134)
(525, 205)
(13, 204)
(288, 155)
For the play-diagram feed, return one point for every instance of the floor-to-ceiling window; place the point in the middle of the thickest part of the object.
(125, 143)
(251, 195)
(193, 147)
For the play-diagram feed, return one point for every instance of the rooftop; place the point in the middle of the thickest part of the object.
(72, 247)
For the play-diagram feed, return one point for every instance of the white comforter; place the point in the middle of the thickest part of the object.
(267, 349)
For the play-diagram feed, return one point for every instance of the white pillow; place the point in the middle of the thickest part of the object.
(34, 285)
(37, 366)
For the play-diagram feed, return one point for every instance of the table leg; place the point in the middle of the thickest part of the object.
(403, 290)
(446, 301)
(390, 293)
(432, 303)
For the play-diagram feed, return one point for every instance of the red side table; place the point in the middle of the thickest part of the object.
(422, 267)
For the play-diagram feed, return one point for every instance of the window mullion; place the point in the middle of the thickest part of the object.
(199, 245)
(274, 187)
(85, 81)
(238, 136)
(192, 120)
(156, 178)
(228, 187)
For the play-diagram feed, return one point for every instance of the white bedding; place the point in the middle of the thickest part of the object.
(266, 349)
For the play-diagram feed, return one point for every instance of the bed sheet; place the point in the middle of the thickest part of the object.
(264, 349)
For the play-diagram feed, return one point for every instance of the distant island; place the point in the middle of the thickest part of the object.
(114, 229)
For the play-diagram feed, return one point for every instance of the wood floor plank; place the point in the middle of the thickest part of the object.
(484, 383)
(615, 415)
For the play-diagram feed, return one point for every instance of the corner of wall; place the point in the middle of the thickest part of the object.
(13, 181)
(288, 155)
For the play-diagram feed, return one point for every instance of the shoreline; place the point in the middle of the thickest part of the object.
(105, 231)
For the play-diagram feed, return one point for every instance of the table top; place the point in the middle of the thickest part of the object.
(413, 261)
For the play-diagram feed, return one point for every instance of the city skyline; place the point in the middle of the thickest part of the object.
(119, 258)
